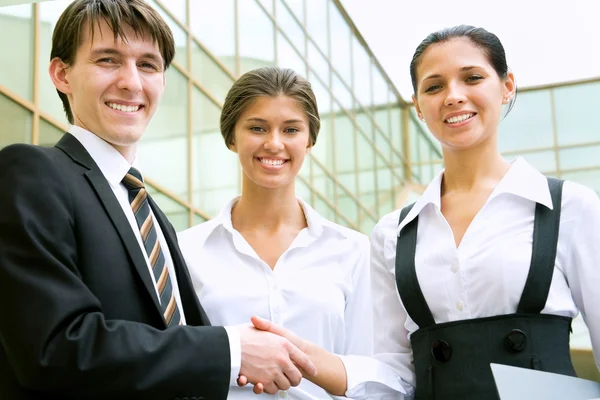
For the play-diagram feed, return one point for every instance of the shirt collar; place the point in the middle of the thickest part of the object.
(112, 164)
(316, 223)
(521, 180)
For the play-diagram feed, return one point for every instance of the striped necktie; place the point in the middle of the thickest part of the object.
(138, 199)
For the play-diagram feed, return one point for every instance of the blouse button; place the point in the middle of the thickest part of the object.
(460, 305)
(455, 267)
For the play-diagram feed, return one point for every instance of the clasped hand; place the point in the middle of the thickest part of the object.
(273, 358)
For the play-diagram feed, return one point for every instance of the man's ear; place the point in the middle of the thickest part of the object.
(58, 71)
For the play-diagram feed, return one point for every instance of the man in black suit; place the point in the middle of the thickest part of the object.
(95, 298)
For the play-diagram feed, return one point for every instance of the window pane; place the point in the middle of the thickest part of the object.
(15, 122)
(17, 63)
(178, 8)
(342, 95)
(204, 26)
(361, 62)
(543, 161)
(395, 129)
(49, 102)
(297, 7)
(529, 124)
(163, 149)
(177, 214)
(287, 57)
(257, 43)
(323, 149)
(49, 134)
(209, 74)
(345, 145)
(316, 23)
(215, 169)
(340, 44)
(318, 65)
(380, 88)
(179, 34)
(291, 28)
(574, 106)
(580, 157)
(588, 178)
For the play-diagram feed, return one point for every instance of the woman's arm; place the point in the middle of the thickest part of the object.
(581, 266)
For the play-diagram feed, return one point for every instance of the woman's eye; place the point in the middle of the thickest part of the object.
(474, 78)
(432, 88)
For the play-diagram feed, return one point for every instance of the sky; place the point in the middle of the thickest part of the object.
(546, 42)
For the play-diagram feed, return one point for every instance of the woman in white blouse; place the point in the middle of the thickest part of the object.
(268, 253)
(464, 302)
(492, 262)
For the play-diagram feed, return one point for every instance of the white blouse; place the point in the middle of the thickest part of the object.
(319, 288)
(486, 274)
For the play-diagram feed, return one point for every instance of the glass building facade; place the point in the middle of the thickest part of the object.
(360, 167)
(372, 155)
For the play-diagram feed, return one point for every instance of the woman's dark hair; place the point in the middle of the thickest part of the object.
(481, 38)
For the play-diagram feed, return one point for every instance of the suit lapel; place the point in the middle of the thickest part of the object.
(194, 313)
(77, 152)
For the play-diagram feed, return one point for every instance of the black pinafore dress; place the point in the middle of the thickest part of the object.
(452, 359)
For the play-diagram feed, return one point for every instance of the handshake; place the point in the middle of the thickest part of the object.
(273, 358)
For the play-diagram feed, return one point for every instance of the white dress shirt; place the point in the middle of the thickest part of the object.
(114, 167)
(319, 288)
(486, 274)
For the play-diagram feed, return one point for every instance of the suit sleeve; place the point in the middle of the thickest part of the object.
(53, 333)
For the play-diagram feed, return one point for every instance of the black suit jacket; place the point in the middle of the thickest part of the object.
(79, 317)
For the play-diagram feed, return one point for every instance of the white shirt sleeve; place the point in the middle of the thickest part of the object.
(368, 377)
(235, 350)
(392, 344)
(582, 267)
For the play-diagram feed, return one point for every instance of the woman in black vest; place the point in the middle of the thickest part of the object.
(491, 263)
(486, 266)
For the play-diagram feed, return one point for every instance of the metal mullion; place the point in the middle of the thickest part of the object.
(557, 85)
(581, 169)
(326, 201)
(190, 122)
(213, 58)
(276, 29)
(236, 29)
(356, 124)
(35, 126)
(362, 41)
(561, 147)
(187, 30)
(332, 69)
(237, 70)
(405, 112)
(197, 84)
(330, 89)
(554, 132)
(341, 185)
(29, 105)
(161, 189)
(374, 133)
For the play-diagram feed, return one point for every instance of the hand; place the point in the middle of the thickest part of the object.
(268, 326)
(271, 360)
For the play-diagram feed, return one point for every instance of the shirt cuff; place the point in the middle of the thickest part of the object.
(235, 350)
(370, 378)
